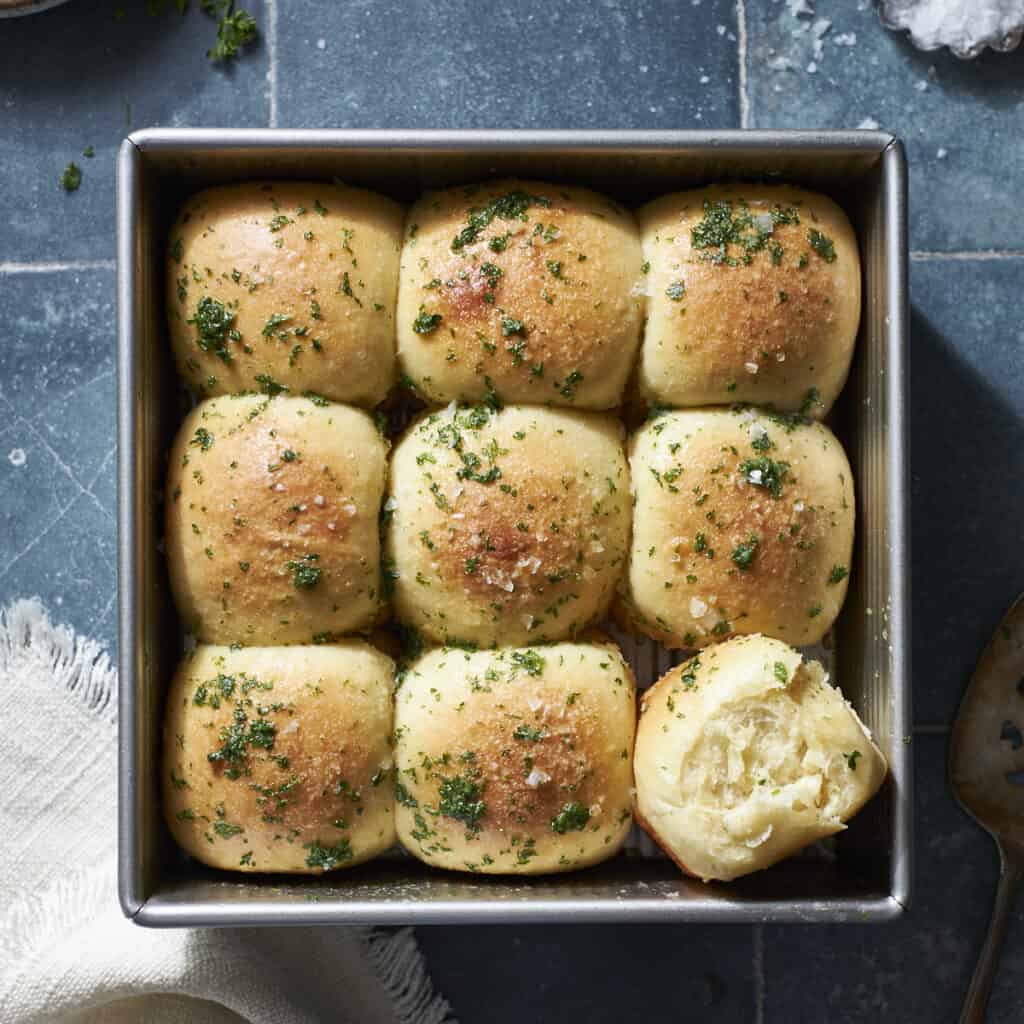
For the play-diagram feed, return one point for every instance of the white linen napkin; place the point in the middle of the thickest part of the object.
(66, 951)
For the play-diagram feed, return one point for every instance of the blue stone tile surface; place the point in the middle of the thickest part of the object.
(57, 448)
(532, 64)
(76, 76)
(962, 121)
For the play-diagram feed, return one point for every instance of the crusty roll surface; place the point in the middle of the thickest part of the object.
(526, 289)
(285, 284)
(743, 523)
(272, 520)
(507, 527)
(279, 759)
(744, 755)
(753, 296)
(515, 761)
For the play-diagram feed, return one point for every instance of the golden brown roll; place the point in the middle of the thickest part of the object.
(524, 289)
(272, 520)
(753, 296)
(285, 284)
(743, 523)
(744, 755)
(507, 527)
(515, 761)
(279, 759)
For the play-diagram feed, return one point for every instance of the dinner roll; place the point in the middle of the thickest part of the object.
(753, 296)
(743, 523)
(272, 520)
(515, 761)
(279, 759)
(526, 289)
(745, 754)
(507, 527)
(285, 284)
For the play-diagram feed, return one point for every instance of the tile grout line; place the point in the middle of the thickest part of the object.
(270, 6)
(741, 45)
(46, 267)
(924, 256)
(759, 982)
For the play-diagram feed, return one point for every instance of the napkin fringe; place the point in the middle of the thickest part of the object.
(402, 970)
(79, 665)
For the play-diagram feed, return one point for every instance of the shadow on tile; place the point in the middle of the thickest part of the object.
(601, 974)
(967, 466)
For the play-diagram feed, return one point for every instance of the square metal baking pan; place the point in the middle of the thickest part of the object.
(868, 878)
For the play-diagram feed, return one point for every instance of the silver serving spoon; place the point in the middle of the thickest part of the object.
(986, 771)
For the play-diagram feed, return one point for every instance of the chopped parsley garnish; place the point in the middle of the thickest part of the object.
(275, 321)
(511, 206)
(761, 443)
(491, 399)
(213, 325)
(203, 439)
(226, 830)
(837, 575)
(766, 473)
(460, 799)
(427, 323)
(811, 399)
(689, 677)
(676, 291)
(71, 178)
(403, 796)
(721, 227)
(743, 554)
(346, 289)
(305, 574)
(328, 857)
(470, 470)
(177, 250)
(491, 273)
(524, 732)
(235, 29)
(471, 565)
(781, 673)
(530, 661)
(269, 386)
(851, 759)
(554, 267)
(573, 817)
(568, 388)
(822, 245)
(236, 740)
(280, 221)
(214, 690)
(510, 326)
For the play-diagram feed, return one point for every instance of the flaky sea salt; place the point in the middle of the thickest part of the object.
(965, 26)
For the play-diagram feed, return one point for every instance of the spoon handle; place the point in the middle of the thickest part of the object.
(984, 973)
